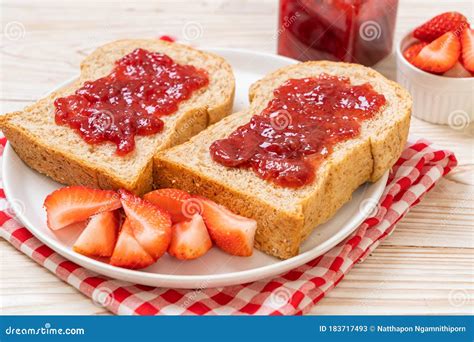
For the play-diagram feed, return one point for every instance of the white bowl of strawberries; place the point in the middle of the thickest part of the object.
(435, 62)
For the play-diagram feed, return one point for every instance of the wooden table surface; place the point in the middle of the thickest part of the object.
(425, 267)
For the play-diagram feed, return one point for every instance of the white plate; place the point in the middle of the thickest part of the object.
(26, 189)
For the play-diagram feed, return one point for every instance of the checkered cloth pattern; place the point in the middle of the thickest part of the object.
(292, 293)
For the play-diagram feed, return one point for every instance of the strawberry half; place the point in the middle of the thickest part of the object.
(439, 25)
(232, 233)
(128, 253)
(151, 225)
(440, 55)
(171, 200)
(99, 236)
(73, 204)
(413, 50)
(467, 42)
(458, 70)
(190, 239)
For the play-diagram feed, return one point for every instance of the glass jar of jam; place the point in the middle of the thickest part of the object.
(357, 31)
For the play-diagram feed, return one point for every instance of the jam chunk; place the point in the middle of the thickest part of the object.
(130, 101)
(299, 128)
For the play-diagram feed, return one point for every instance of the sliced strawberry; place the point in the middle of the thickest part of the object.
(190, 239)
(439, 25)
(99, 236)
(413, 50)
(77, 203)
(457, 70)
(440, 55)
(128, 253)
(151, 225)
(232, 233)
(171, 200)
(467, 42)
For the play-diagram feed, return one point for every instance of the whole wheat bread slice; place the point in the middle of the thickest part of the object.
(287, 216)
(60, 153)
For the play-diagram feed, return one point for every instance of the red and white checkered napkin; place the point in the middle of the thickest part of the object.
(295, 292)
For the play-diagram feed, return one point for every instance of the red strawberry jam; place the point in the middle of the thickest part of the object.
(298, 129)
(130, 101)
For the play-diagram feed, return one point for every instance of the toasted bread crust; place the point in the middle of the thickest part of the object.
(66, 167)
(280, 232)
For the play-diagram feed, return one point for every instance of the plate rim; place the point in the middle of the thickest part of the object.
(190, 281)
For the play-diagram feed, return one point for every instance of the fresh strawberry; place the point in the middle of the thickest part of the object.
(190, 239)
(171, 200)
(439, 25)
(99, 236)
(77, 203)
(467, 42)
(457, 70)
(232, 233)
(440, 55)
(151, 225)
(128, 253)
(413, 50)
